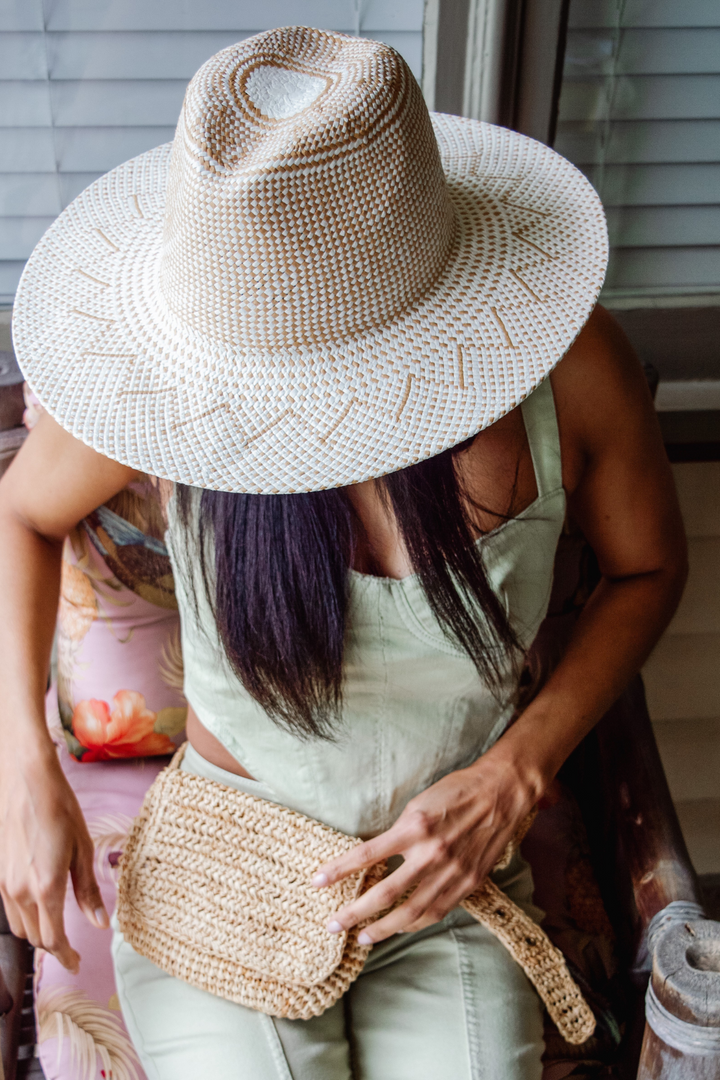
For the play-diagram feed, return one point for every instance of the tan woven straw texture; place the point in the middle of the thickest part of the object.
(543, 964)
(215, 890)
(301, 292)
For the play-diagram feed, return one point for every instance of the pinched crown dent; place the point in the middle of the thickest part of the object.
(305, 191)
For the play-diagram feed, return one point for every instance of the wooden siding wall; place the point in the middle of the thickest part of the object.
(682, 676)
(86, 85)
(640, 115)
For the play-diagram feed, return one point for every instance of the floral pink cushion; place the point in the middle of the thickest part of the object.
(119, 663)
(81, 1034)
(119, 676)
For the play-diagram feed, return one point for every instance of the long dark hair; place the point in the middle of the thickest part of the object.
(275, 571)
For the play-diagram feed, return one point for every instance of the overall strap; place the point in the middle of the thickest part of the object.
(543, 437)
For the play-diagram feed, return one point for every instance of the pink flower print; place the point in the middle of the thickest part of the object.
(125, 731)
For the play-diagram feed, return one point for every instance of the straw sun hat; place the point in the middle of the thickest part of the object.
(314, 284)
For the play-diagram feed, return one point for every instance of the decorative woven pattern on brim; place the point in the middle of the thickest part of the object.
(215, 889)
(300, 292)
(541, 961)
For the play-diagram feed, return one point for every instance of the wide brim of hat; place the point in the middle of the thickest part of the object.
(123, 373)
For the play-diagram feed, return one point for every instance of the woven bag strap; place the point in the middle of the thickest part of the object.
(177, 757)
(522, 831)
(543, 964)
(532, 949)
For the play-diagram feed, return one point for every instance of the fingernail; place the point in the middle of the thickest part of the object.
(364, 939)
(101, 916)
(334, 927)
(319, 880)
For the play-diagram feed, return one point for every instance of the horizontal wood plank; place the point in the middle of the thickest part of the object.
(9, 277)
(690, 751)
(22, 55)
(700, 823)
(41, 194)
(645, 13)
(27, 150)
(35, 194)
(686, 184)
(25, 104)
(664, 226)
(689, 396)
(167, 54)
(97, 149)
(244, 15)
(21, 15)
(699, 609)
(681, 677)
(109, 103)
(19, 235)
(641, 97)
(639, 141)
(698, 488)
(661, 51)
(632, 268)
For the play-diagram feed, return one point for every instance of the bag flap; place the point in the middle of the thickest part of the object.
(229, 874)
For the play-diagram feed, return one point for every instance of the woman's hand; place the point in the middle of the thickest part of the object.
(53, 483)
(450, 837)
(43, 837)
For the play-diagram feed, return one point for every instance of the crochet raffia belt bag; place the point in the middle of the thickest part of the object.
(215, 889)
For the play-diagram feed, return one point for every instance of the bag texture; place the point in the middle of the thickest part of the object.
(215, 889)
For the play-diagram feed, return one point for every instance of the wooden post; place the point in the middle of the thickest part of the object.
(682, 1036)
(15, 963)
(646, 820)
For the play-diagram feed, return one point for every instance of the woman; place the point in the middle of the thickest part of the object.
(306, 297)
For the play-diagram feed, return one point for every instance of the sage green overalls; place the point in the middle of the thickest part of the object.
(448, 1002)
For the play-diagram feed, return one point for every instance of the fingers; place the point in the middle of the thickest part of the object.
(54, 939)
(436, 895)
(364, 855)
(87, 892)
(428, 904)
(41, 924)
(381, 897)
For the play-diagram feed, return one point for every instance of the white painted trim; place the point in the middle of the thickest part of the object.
(688, 396)
(431, 19)
(483, 60)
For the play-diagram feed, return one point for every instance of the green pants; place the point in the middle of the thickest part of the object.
(446, 1003)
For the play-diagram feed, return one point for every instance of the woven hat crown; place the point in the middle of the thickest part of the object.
(306, 197)
(314, 284)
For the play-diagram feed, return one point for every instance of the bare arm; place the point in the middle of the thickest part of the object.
(52, 484)
(622, 495)
(621, 492)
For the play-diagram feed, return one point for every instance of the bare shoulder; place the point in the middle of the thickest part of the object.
(603, 402)
(615, 469)
(56, 480)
